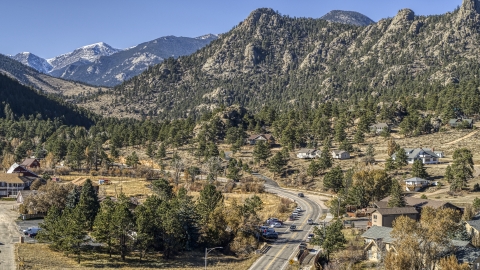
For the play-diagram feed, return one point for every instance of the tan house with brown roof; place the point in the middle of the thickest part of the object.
(419, 203)
(385, 216)
(260, 137)
(11, 184)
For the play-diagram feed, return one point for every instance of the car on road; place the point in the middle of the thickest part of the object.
(301, 195)
(302, 246)
(31, 230)
(310, 236)
(298, 209)
(276, 225)
(271, 235)
(310, 221)
(293, 228)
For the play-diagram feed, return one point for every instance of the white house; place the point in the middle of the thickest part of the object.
(305, 153)
(416, 183)
(378, 128)
(427, 156)
(340, 154)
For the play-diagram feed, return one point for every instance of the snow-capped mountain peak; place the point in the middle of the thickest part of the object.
(82, 55)
(33, 61)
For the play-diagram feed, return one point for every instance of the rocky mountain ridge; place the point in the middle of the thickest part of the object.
(270, 59)
(347, 17)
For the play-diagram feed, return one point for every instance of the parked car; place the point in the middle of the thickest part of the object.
(271, 235)
(301, 195)
(291, 218)
(31, 230)
(310, 221)
(298, 209)
(302, 246)
(293, 228)
(310, 236)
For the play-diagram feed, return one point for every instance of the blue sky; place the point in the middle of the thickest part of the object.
(52, 27)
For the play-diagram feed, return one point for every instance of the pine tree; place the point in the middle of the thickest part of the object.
(73, 198)
(261, 151)
(418, 169)
(334, 238)
(326, 159)
(103, 227)
(370, 155)
(392, 147)
(359, 137)
(397, 198)
(162, 152)
(88, 203)
(334, 179)
(389, 164)
(401, 158)
(276, 163)
(314, 168)
(74, 230)
(51, 231)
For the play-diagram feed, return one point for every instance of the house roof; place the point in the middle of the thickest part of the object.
(379, 232)
(379, 125)
(415, 179)
(467, 254)
(417, 202)
(16, 168)
(396, 211)
(339, 152)
(255, 136)
(28, 161)
(11, 178)
(307, 151)
(415, 152)
(475, 224)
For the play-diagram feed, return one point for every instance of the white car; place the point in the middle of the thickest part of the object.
(276, 225)
(299, 209)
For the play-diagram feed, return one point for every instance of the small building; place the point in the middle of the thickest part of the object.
(427, 156)
(460, 122)
(305, 153)
(17, 168)
(379, 127)
(416, 184)
(419, 203)
(10, 184)
(30, 163)
(385, 216)
(252, 140)
(23, 194)
(340, 154)
(377, 242)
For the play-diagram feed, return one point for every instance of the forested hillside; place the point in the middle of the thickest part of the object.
(271, 59)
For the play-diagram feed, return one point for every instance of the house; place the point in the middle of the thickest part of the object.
(379, 127)
(252, 140)
(469, 255)
(340, 154)
(30, 163)
(426, 155)
(419, 203)
(17, 168)
(473, 227)
(416, 183)
(377, 242)
(459, 122)
(305, 153)
(385, 216)
(23, 194)
(10, 184)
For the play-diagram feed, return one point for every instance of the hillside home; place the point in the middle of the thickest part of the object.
(30, 163)
(17, 168)
(416, 184)
(10, 184)
(385, 216)
(377, 242)
(419, 203)
(340, 154)
(426, 155)
(252, 140)
(459, 122)
(305, 153)
(379, 127)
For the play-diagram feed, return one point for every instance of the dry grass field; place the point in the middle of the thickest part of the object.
(40, 257)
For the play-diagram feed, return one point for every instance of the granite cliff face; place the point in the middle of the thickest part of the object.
(347, 17)
(273, 59)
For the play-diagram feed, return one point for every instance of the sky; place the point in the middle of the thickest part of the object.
(49, 28)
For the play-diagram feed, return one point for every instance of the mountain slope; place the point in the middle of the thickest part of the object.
(17, 100)
(33, 61)
(347, 17)
(31, 77)
(270, 59)
(114, 69)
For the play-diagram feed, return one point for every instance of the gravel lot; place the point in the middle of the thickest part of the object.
(9, 235)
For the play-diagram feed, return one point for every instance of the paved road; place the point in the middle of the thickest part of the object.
(9, 235)
(286, 246)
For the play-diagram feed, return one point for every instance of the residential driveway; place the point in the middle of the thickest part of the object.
(9, 235)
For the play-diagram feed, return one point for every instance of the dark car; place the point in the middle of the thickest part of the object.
(301, 195)
(293, 227)
(271, 235)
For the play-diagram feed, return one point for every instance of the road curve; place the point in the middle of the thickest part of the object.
(286, 246)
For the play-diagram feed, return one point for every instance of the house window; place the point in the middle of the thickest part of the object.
(374, 216)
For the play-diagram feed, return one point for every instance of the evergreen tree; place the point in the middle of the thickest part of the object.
(162, 152)
(103, 227)
(334, 179)
(51, 231)
(276, 163)
(326, 159)
(346, 145)
(334, 239)
(261, 151)
(392, 147)
(418, 169)
(132, 160)
(74, 231)
(123, 223)
(370, 154)
(359, 137)
(73, 198)
(314, 168)
(397, 198)
(88, 203)
(401, 158)
(389, 164)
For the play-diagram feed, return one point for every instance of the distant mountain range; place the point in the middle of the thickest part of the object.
(347, 17)
(101, 64)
